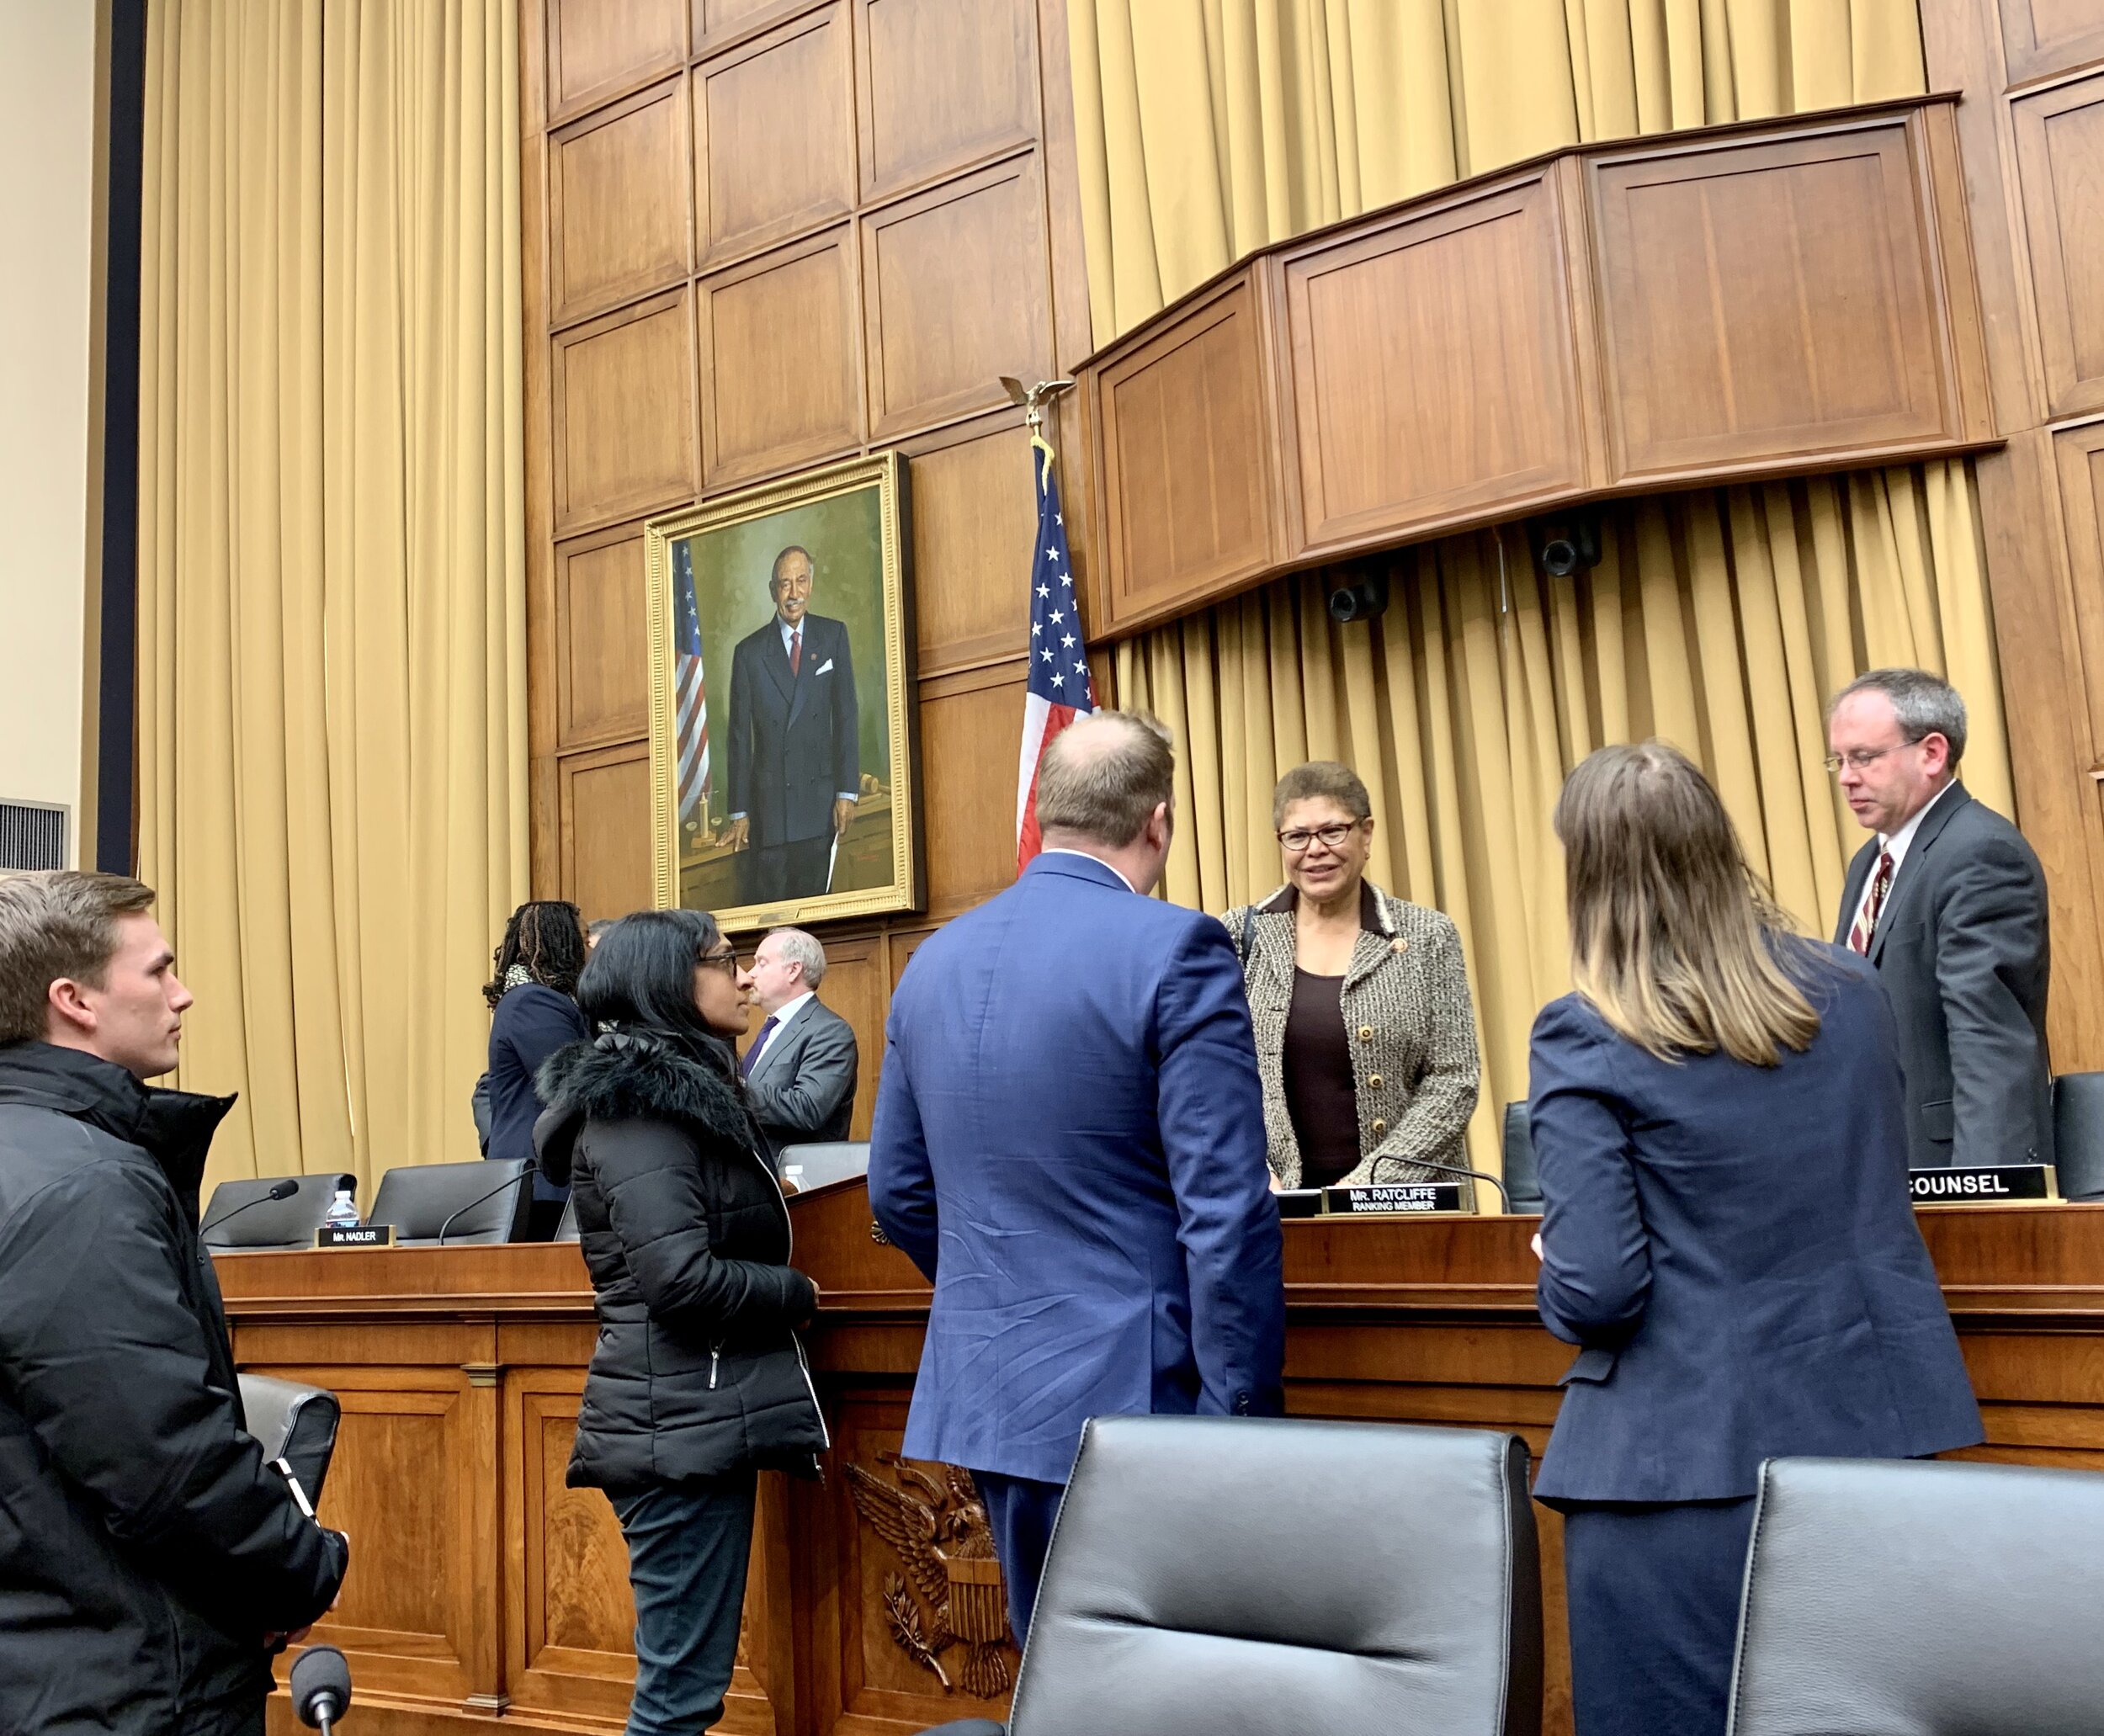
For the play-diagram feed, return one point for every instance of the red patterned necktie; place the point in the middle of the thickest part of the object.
(796, 650)
(1859, 935)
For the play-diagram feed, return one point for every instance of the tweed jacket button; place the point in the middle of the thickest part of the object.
(1399, 945)
(1366, 1033)
(1373, 1082)
(1379, 1127)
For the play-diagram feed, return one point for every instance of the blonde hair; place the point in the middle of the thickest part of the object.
(1672, 938)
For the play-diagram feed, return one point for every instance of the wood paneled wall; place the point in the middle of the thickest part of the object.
(1768, 298)
(760, 235)
(2031, 131)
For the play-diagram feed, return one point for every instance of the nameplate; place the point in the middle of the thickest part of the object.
(1980, 1187)
(363, 1235)
(1301, 1203)
(1411, 1197)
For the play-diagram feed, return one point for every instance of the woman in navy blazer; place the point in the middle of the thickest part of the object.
(533, 1012)
(1719, 1117)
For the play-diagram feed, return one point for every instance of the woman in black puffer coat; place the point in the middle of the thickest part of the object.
(697, 1381)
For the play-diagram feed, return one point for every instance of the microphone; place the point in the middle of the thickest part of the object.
(279, 1189)
(532, 1165)
(1426, 1163)
(321, 1687)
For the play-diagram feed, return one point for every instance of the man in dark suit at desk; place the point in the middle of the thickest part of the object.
(1948, 902)
(1069, 1144)
(800, 1071)
(794, 750)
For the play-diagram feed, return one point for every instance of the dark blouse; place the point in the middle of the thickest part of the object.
(1321, 1095)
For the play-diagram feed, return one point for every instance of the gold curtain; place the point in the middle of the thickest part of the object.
(332, 642)
(1209, 127)
(1720, 620)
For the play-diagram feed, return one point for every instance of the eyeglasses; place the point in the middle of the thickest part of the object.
(1862, 759)
(726, 962)
(1296, 842)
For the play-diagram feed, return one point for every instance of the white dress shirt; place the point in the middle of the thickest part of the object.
(1086, 856)
(1895, 847)
(781, 1016)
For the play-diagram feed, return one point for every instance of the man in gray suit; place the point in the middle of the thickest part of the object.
(1948, 902)
(800, 1073)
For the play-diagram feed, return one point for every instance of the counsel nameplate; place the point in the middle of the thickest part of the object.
(1973, 1186)
(1400, 1196)
(360, 1235)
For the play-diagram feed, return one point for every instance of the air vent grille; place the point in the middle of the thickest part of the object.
(32, 835)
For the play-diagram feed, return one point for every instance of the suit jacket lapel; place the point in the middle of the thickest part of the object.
(1375, 941)
(774, 657)
(1913, 873)
(779, 1041)
(1852, 889)
(801, 686)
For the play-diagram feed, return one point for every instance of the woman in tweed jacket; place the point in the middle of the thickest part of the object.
(1365, 1031)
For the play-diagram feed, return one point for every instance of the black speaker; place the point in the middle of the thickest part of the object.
(1361, 600)
(1565, 546)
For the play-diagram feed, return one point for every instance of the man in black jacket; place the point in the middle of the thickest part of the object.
(150, 1560)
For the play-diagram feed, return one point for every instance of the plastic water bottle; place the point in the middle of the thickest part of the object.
(342, 1212)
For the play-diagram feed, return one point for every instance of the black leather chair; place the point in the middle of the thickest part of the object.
(265, 1224)
(491, 1198)
(834, 1161)
(295, 1423)
(2078, 1134)
(1523, 1178)
(1919, 1599)
(1261, 1576)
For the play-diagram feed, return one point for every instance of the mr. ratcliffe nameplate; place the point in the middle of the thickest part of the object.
(1410, 1197)
(357, 1235)
(1980, 1187)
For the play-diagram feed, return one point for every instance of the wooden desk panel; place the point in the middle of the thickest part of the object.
(481, 1586)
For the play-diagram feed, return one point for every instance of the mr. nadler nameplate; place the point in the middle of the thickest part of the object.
(1400, 1197)
(2007, 1181)
(358, 1235)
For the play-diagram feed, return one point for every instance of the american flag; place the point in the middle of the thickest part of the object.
(1059, 687)
(691, 696)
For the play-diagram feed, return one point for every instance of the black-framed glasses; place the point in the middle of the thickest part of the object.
(725, 961)
(1296, 842)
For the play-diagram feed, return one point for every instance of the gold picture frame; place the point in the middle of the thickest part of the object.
(763, 670)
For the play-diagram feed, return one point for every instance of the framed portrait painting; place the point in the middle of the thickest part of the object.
(784, 784)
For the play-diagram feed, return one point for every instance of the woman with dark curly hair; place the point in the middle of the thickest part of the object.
(697, 1381)
(533, 1012)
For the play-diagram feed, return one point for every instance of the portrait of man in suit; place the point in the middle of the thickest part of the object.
(794, 754)
(783, 760)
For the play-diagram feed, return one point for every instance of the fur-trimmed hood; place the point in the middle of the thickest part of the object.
(622, 1076)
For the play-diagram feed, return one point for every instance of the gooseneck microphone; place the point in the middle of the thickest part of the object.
(1426, 1163)
(321, 1687)
(521, 1179)
(279, 1189)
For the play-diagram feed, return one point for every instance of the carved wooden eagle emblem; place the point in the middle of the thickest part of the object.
(940, 1534)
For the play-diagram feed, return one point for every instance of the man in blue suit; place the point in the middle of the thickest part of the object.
(1069, 1144)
